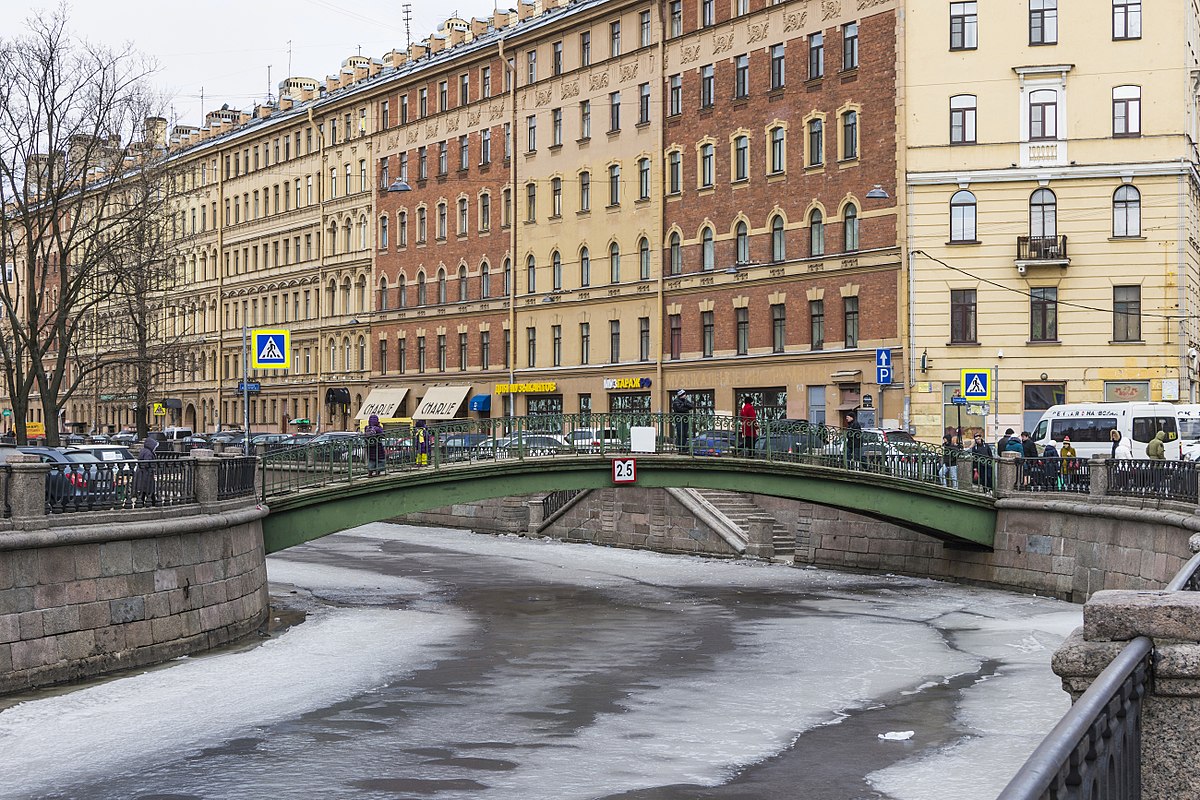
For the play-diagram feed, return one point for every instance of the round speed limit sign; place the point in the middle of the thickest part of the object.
(624, 470)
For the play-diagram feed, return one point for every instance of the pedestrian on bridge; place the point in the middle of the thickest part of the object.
(421, 443)
(749, 427)
(853, 434)
(981, 453)
(376, 452)
(144, 488)
(948, 474)
(681, 407)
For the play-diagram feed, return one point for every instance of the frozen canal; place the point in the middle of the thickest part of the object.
(442, 664)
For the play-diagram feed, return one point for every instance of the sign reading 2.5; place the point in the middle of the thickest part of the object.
(624, 470)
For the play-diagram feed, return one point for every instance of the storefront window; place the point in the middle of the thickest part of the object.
(816, 404)
(704, 406)
(1039, 397)
(634, 403)
(769, 404)
(545, 412)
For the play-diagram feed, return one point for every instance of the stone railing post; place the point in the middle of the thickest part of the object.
(760, 538)
(1098, 476)
(218, 447)
(536, 514)
(207, 485)
(1006, 474)
(966, 471)
(1170, 711)
(27, 491)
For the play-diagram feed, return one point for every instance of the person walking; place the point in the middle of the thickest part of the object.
(421, 443)
(1029, 454)
(1002, 445)
(1156, 449)
(853, 446)
(749, 427)
(681, 408)
(144, 488)
(376, 453)
(1050, 467)
(948, 474)
(1070, 465)
(981, 453)
(1115, 437)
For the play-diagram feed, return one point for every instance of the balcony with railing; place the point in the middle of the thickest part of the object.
(1039, 251)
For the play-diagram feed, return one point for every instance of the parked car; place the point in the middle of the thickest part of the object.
(226, 437)
(461, 446)
(713, 443)
(124, 437)
(99, 438)
(109, 452)
(528, 444)
(75, 479)
(597, 440)
(273, 441)
(72, 439)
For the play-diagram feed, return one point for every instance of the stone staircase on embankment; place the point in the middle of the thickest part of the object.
(741, 510)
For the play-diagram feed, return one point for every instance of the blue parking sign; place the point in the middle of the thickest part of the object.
(883, 375)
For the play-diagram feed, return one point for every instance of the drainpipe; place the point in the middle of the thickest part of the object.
(512, 224)
(663, 403)
(320, 187)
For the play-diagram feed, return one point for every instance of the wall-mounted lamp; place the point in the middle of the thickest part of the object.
(731, 270)
(924, 361)
(877, 192)
(399, 186)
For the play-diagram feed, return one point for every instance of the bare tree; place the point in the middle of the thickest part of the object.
(71, 132)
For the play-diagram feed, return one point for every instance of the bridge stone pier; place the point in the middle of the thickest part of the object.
(84, 594)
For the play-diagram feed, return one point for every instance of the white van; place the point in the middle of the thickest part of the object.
(1089, 426)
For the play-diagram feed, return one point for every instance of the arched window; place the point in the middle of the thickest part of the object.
(708, 258)
(816, 233)
(962, 217)
(349, 237)
(346, 353)
(421, 298)
(362, 353)
(441, 287)
(585, 268)
(332, 355)
(644, 258)
(850, 227)
(362, 293)
(531, 274)
(614, 263)
(333, 239)
(346, 293)
(507, 277)
(1043, 214)
(403, 292)
(362, 233)
(741, 238)
(462, 284)
(383, 293)
(556, 270)
(1127, 212)
(676, 252)
(383, 232)
(485, 280)
(778, 246)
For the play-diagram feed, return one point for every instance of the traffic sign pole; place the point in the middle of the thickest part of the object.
(245, 389)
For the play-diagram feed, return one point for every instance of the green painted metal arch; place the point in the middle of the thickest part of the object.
(958, 518)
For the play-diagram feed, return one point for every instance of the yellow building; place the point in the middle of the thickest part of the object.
(1051, 206)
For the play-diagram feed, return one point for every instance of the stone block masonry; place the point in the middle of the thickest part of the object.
(84, 601)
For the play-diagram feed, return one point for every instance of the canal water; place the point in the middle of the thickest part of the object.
(434, 663)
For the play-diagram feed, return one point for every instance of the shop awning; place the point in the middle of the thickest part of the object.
(337, 395)
(481, 402)
(382, 402)
(846, 376)
(441, 402)
(300, 422)
(172, 402)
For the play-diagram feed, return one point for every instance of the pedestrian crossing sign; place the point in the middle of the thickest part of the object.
(976, 385)
(269, 348)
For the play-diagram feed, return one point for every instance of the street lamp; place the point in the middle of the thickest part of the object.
(399, 185)
(877, 193)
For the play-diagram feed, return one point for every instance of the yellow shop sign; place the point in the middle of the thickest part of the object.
(526, 388)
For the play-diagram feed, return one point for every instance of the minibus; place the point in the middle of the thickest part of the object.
(1089, 426)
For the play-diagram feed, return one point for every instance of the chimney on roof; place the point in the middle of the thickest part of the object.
(285, 104)
(437, 44)
(332, 83)
(418, 50)
(479, 27)
(526, 9)
(395, 58)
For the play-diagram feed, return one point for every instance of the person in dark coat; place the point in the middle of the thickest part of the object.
(853, 435)
(376, 455)
(1002, 445)
(681, 407)
(981, 451)
(143, 479)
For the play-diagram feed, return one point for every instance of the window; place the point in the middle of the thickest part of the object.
(485, 213)
(485, 349)
(422, 163)
(778, 150)
(464, 153)
(741, 240)
(707, 334)
(441, 287)
(585, 48)
(614, 112)
(675, 95)
(816, 142)
(850, 320)
(383, 232)
(614, 263)
(422, 295)
(964, 23)
(585, 343)
(531, 133)
(531, 346)
(850, 45)
(1043, 114)
(708, 258)
(741, 158)
(1127, 212)
(1127, 313)
(676, 16)
(1043, 214)
(777, 67)
(585, 191)
(741, 76)
(1127, 110)
(462, 351)
(614, 341)
(816, 323)
(585, 119)
(1043, 314)
(556, 345)
(464, 89)
(643, 179)
(531, 274)
(644, 26)
(556, 128)
(850, 227)
(585, 268)
(556, 58)
(743, 7)
(441, 222)
(556, 197)
(962, 217)
(741, 318)
(707, 167)
(443, 96)
(531, 66)
(423, 102)
(675, 326)
(508, 281)
(816, 56)
(441, 352)
(614, 38)
(1127, 19)
(508, 143)
(707, 86)
(485, 82)
(531, 202)
(962, 316)
(402, 224)
(614, 184)
(403, 116)
(706, 13)
(778, 246)
(674, 172)
(485, 281)
(778, 327)
(556, 271)
(462, 216)
(849, 135)
(644, 259)
(1043, 21)
(485, 146)
(962, 119)
(676, 254)
(421, 225)
(383, 354)
(816, 233)
(643, 103)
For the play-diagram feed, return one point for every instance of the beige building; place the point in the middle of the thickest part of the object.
(1051, 206)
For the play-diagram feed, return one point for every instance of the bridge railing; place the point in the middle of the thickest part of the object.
(1096, 749)
(106, 485)
(235, 476)
(344, 458)
(1174, 480)
(1060, 475)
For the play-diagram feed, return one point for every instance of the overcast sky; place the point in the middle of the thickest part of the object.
(223, 47)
